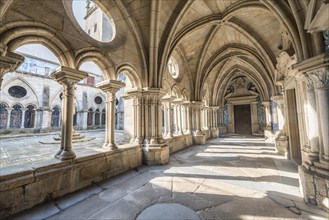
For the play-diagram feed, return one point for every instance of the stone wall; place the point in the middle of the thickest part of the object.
(177, 143)
(23, 190)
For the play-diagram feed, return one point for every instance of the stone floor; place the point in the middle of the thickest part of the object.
(23, 151)
(234, 177)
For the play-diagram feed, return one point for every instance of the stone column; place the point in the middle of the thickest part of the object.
(268, 121)
(230, 112)
(178, 114)
(9, 61)
(321, 82)
(8, 118)
(254, 118)
(23, 116)
(281, 139)
(312, 120)
(155, 150)
(168, 115)
(110, 87)
(198, 135)
(188, 118)
(68, 78)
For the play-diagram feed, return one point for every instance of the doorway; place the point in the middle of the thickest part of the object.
(242, 119)
(295, 152)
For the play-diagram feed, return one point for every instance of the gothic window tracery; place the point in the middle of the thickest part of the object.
(55, 117)
(29, 117)
(16, 117)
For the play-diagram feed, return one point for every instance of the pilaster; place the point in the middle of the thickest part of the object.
(155, 150)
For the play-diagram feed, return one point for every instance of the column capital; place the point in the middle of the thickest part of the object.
(111, 86)
(177, 101)
(9, 61)
(320, 77)
(215, 108)
(68, 76)
(151, 91)
(168, 98)
(266, 103)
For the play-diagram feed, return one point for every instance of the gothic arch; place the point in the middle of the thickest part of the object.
(23, 33)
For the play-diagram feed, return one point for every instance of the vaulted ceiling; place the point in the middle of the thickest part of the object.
(214, 38)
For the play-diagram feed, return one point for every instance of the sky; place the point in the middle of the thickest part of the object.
(79, 11)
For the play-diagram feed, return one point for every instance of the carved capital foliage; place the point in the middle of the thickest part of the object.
(284, 66)
(320, 77)
(309, 81)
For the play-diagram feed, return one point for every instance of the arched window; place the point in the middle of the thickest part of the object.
(3, 116)
(38, 59)
(103, 117)
(29, 117)
(90, 117)
(55, 117)
(16, 117)
(97, 117)
(95, 74)
(75, 116)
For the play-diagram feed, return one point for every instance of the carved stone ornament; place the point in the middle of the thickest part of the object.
(284, 66)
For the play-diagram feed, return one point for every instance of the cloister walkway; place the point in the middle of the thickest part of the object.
(232, 177)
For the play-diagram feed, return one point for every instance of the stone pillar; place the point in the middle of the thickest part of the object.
(214, 126)
(110, 87)
(321, 82)
(281, 139)
(8, 118)
(312, 121)
(68, 78)
(198, 135)
(178, 114)
(9, 61)
(136, 94)
(268, 121)
(155, 150)
(254, 119)
(230, 113)
(168, 115)
(23, 116)
(188, 118)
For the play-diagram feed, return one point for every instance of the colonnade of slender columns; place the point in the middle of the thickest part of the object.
(68, 78)
(110, 87)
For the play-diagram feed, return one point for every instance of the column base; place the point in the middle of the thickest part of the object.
(66, 155)
(110, 146)
(155, 154)
(222, 129)
(199, 139)
(281, 145)
(215, 133)
(268, 134)
(314, 187)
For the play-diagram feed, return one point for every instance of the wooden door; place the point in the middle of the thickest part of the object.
(242, 119)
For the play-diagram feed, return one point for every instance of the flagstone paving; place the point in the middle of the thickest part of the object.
(233, 177)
